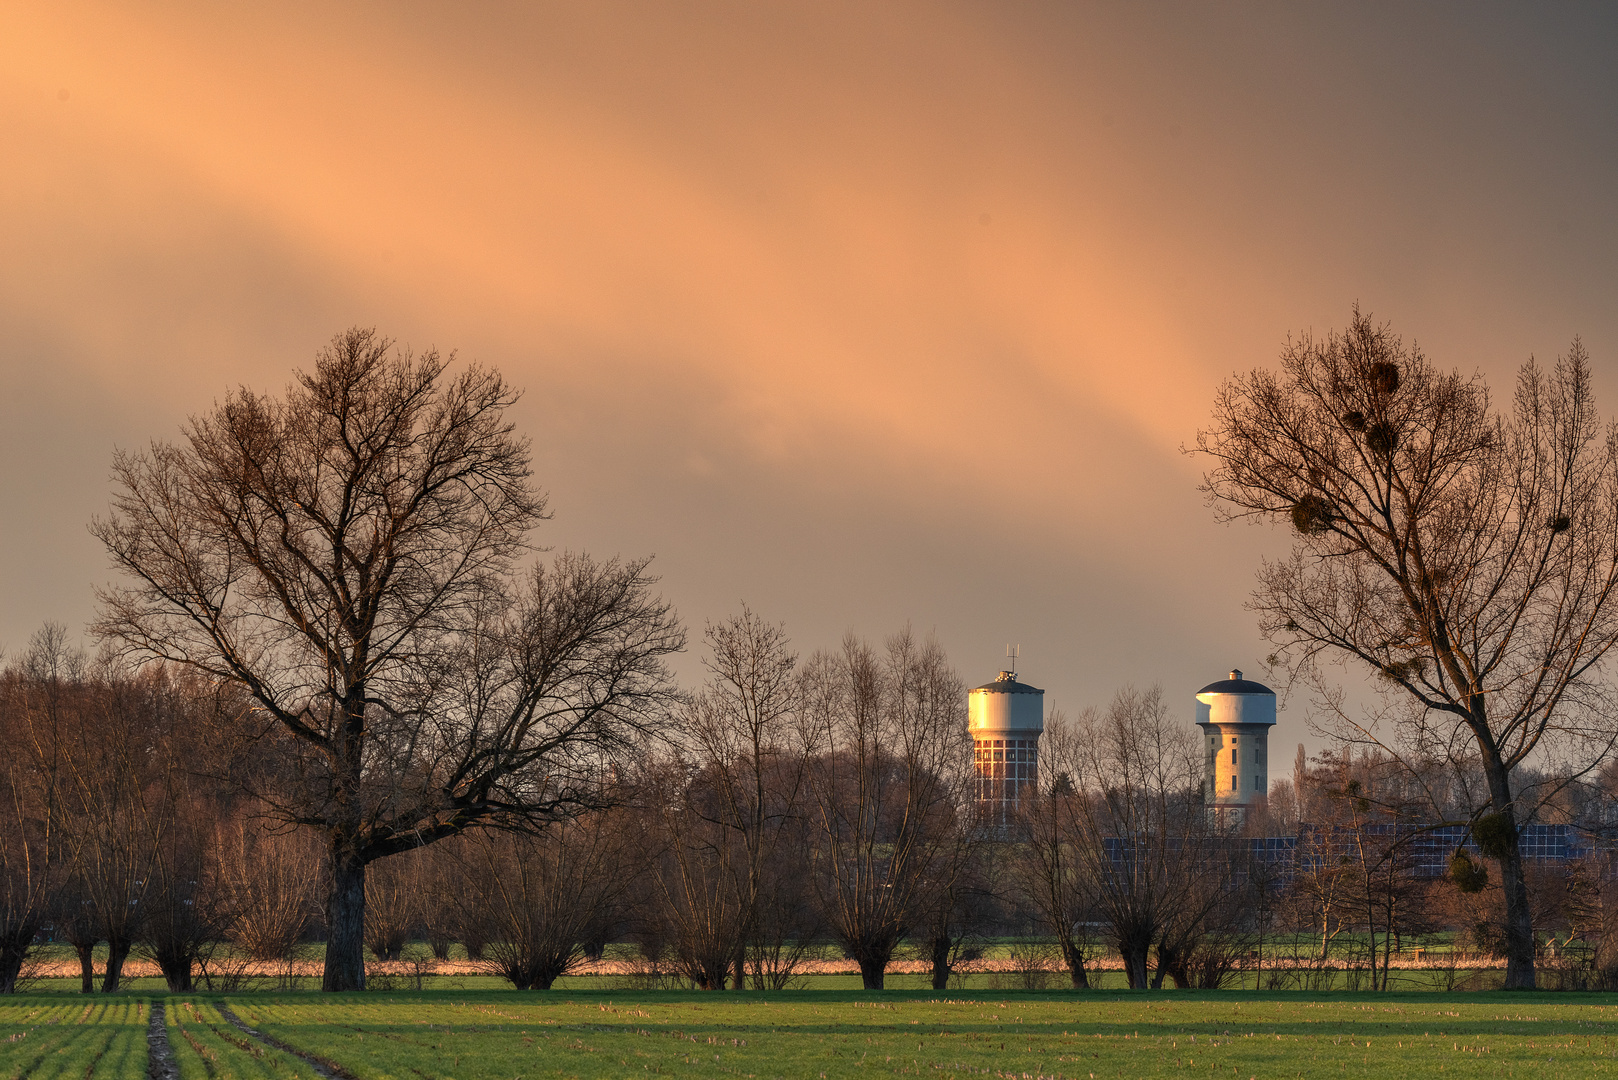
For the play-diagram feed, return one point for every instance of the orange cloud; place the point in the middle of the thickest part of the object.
(941, 279)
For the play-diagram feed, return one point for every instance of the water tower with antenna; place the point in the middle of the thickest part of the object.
(1006, 718)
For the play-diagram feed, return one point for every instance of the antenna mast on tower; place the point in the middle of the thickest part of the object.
(1013, 654)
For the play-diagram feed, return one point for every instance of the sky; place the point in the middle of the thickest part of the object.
(863, 315)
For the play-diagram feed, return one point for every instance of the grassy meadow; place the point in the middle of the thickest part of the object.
(506, 1035)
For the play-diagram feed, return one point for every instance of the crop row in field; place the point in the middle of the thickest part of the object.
(103, 1039)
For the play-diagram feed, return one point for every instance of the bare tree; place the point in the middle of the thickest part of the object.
(1049, 866)
(889, 753)
(700, 912)
(956, 900)
(787, 924)
(1141, 832)
(1591, 909)
(27, 870)
(1467, 557)
(74, 917)
(186, 912)
(552, 894)
(344, 553)
(1320, 895)
(471, 917)
(111, 830)
(32, 863)
(269, 880)
(392, 905)
(750, 777)
(439, 878)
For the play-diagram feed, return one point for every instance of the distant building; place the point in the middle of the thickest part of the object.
(1006, 718)
(1235, 715)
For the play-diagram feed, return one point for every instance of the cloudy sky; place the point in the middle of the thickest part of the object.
(861, 314)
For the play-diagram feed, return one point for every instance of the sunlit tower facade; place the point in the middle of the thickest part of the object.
(1235, 715)
(1006, 718)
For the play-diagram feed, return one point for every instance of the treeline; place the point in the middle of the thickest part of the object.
(778, 806)
(786, 807)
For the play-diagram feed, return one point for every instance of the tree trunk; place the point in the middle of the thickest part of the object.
(13, 951)
(87, 967)
(1160, 973)
(941, 965)
(345, 921)
(872, 971)
(1519, 922)
(117, 952)
(1172, 963)
(176, 968)
(549, 969)
(1135, 955)
(1073, 956)
(1519, 917)
(1370, 918)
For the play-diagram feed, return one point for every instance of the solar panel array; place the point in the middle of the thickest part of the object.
(1425, 850)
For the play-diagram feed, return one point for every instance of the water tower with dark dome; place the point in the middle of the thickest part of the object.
(1235, 715)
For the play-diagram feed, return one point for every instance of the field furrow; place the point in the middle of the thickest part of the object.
(208, 1047)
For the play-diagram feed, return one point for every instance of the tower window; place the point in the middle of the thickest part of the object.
(1233, 783)
(1233, 755)
(1256, 760)
(1258, 785)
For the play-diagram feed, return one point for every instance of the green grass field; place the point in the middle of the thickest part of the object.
(505, 1035)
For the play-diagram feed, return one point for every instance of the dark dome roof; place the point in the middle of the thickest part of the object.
(1236, 685)
(1007, 684)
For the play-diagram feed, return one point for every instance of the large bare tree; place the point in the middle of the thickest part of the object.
(1466, 555)
(345, 552)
